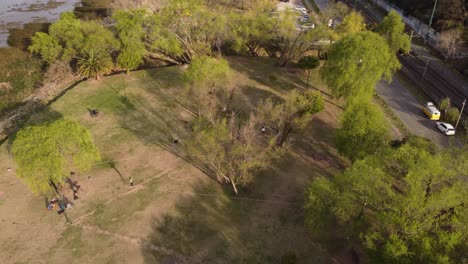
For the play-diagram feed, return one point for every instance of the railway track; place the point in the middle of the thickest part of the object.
(433, 85)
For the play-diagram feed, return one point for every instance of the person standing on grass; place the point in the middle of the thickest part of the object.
(131, 181)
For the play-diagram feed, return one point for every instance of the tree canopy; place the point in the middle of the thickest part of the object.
(184, 29)
(252, 29)
(356, 63)
(72, 39)
(295, 111)
(363, 129)
(352, 23)
(129, 26)
(308, 63)
(405, 205)
(392, 29)
(209, 80)
(234, 152)
(47, 153)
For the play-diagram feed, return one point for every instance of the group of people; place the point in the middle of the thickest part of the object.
(63, 203)
(73, 185)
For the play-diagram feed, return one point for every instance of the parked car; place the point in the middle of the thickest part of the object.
(446, 128)
(308, 26)
(431, 111)
(301, 9)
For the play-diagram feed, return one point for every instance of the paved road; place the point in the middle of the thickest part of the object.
(321, 4)
(291, 4)
(407, 107)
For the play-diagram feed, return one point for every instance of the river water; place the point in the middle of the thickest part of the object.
(15, 13)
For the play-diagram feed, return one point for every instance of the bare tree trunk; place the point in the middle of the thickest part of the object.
(283, 135)
(234, 186)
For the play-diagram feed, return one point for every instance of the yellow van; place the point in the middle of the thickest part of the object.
(431, 111)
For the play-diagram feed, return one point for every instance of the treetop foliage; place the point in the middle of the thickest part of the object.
(362, 124)
(208, 72)
(392, 28)
(129, 26)
(70, 38)
(48, 152)
(356, 63)
(405, 205)
(352, 23)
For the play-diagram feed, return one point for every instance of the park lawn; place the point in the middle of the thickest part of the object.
(175, 212)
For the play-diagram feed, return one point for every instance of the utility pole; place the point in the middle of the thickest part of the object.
(461, 113)
(430, 21)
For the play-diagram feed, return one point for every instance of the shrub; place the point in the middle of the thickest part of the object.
(452, 115)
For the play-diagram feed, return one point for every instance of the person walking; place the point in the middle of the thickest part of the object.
(131, 181)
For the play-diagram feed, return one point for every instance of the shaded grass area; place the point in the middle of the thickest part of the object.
(190, 221)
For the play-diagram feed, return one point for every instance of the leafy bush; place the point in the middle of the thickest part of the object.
(452, 115)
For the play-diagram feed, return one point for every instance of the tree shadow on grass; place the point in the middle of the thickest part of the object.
(161, 125)
(261, 70)
(210, 226)
(252, 96)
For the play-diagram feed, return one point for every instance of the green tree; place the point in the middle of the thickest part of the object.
(352, 23)
(46, 46)
(281, 118)
(46, 153)
(308, 63)
(129, 26)
(404, 205)
(252, 29)
(356, 63)
(209, 79)
(445, 104)
(184, 29)
(287, 43)
(452, 115)
(234, 152)
(392, 28)
(94, 64)
(70, 38)
(363, 129)
(334, 10)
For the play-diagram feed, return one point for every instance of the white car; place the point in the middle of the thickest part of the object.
(446, 128)
(301, 9)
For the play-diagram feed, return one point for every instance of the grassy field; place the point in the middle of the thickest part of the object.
(175, 213)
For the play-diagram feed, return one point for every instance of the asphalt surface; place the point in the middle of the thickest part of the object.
(407, 107)
(321, 4)
(403, 103)
(291, 4)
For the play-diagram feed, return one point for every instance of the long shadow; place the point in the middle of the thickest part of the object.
(317, 144)
(159, 125)
(261, 69)
(114, 167)
(208, 225)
